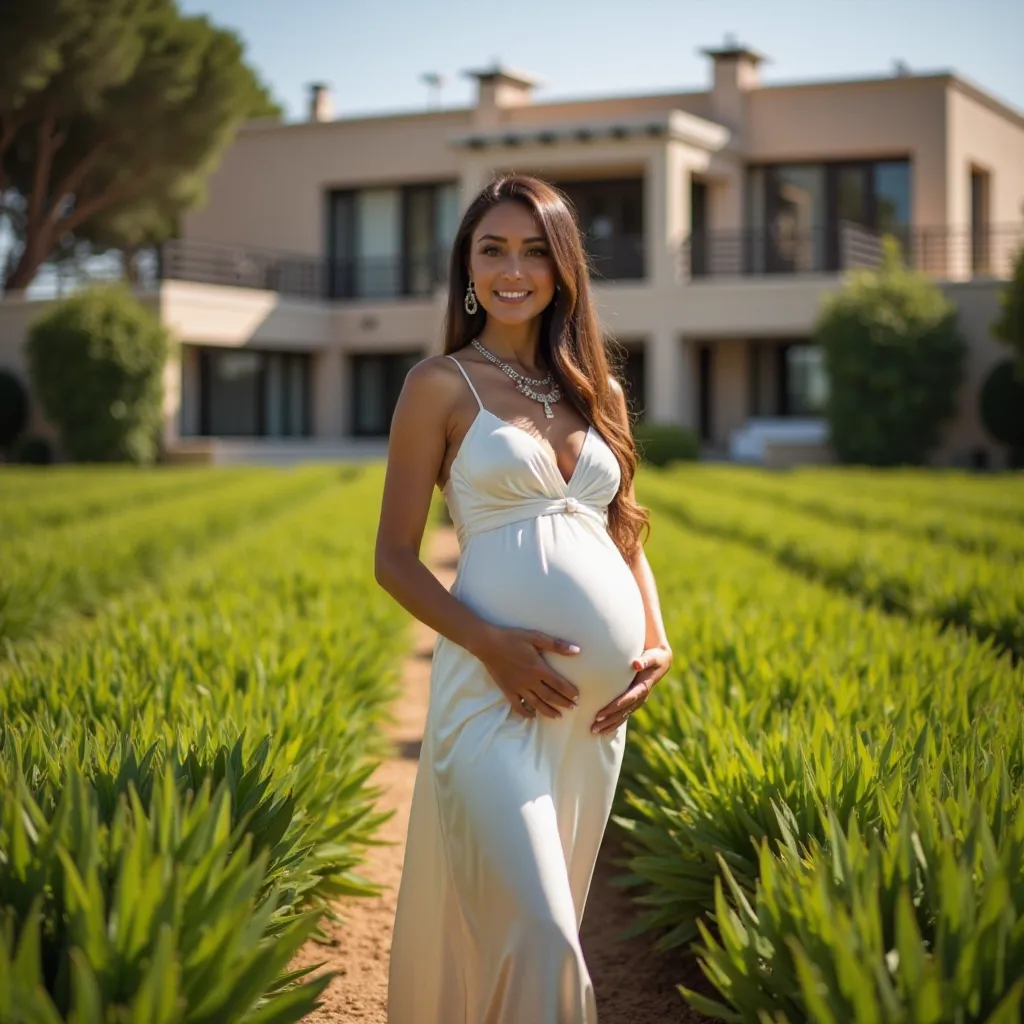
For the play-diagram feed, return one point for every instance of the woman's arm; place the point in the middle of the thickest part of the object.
(416, 452)
(657, 656)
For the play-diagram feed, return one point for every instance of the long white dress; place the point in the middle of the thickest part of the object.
(508, 813)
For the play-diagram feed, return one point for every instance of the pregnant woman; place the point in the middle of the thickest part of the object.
(550, 638)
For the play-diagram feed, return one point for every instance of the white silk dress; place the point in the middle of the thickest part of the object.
(508, 813)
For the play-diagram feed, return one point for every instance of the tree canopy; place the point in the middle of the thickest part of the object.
(112, 115)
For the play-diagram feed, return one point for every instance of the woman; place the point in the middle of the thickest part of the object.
(550, 638)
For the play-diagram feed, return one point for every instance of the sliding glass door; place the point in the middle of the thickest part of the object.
(246, 393)
(389, 242)
(796, 213)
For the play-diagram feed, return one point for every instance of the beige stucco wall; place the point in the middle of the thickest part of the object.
(893, 117)
(982, 138)
(218, 315)
(269, 191)
(729, 399)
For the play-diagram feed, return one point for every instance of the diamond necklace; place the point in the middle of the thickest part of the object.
(523, 383)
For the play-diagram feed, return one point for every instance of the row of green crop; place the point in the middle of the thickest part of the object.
(184, 779)
(848, 504)
(999, 496)
(83, 499)
(73, 568)
(884, 567)
(826, 800)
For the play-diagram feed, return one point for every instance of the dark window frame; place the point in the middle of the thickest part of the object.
(625, 262)
(206, 354)
(393, 381)
(832, 169)
(348, 287)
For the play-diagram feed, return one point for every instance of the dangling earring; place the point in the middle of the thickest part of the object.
(471, 304)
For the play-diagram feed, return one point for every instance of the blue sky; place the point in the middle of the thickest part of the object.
(372, 54)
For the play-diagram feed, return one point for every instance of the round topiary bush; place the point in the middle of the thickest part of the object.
(97, 361)
(895, 358)
(13, 408)
(1001, 408)
(662, 443)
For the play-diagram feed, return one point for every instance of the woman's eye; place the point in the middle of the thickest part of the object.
(493, 248)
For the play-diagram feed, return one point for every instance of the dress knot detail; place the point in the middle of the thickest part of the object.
(572, 506)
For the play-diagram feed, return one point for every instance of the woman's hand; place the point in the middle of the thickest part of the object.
(512, 656)
(651, 666)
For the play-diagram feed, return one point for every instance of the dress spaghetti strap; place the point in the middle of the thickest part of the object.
(468, 381)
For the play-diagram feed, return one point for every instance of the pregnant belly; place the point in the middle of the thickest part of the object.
(565, 578)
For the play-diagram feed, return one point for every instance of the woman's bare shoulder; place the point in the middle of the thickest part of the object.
(432, 380)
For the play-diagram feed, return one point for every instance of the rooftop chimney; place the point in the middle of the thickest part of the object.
(498, 88)
(320, 106)
(734, 75)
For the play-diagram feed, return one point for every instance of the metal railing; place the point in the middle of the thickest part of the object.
(241, 267)
(951, 253)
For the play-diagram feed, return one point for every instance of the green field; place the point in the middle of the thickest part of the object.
(822, 802)
(192, 688)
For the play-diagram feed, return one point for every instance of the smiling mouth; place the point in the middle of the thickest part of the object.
(513, 296)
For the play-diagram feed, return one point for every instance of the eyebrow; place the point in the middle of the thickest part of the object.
(499, 238)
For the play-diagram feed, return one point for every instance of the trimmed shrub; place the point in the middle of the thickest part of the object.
(1009, 328)
(97, 362)
(32, 450)
(662, 443)
(13, 408)
(895, 358)
(1001, 407)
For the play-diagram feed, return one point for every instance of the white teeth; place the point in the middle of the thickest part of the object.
(512, 295)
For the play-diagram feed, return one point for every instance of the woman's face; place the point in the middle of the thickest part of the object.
(510, 264)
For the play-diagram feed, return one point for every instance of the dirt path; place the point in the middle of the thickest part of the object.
(633, 986)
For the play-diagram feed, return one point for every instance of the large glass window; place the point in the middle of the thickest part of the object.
(246, 393)
(387, 242)
(795, 208)
(376, 381)
(797, 213)
(806, 381)
(892, 195)
(611, 219)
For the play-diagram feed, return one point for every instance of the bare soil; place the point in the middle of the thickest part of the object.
(633, 985)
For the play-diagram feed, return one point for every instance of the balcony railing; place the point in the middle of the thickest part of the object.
(952, 253)
(300, 275)
(270, 269)
(619, 257)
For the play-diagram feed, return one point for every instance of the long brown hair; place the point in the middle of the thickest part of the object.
(571, 340)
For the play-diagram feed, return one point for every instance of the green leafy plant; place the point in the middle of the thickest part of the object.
(1009, 327)
(185, 779)
(1001, 406)
(663, 443)
(895, 359)
(97, 362)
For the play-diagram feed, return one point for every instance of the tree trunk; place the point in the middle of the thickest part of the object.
(25, 270)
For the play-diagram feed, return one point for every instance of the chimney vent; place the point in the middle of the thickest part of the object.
(320, 106)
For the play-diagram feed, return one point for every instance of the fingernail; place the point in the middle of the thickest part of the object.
(573, 649)
(594, 730)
